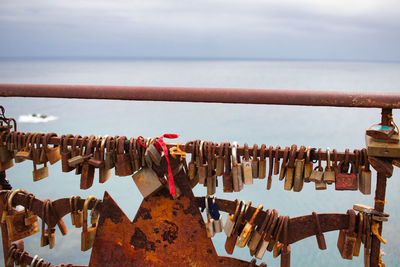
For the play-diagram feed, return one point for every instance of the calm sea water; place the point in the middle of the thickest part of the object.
(338, 128)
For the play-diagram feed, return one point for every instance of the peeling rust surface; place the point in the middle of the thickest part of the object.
(145, 214)
(139, 241)
(172, 233)
(165, 240)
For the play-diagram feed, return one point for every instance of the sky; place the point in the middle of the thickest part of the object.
(256, 29)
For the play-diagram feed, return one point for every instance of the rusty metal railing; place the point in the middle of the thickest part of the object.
(388, 100)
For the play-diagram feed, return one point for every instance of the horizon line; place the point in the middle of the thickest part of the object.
(163, 58)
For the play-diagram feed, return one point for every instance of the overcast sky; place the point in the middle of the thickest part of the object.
(283, 29)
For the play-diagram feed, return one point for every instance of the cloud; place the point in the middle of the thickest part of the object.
(135, 28)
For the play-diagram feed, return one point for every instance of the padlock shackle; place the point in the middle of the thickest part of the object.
(85, 212)
(9, 202)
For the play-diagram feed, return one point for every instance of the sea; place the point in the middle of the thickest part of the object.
(323, 127)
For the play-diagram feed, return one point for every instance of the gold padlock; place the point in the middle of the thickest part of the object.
(290, 169)
(329, 173)
(318, 172)
(104, 171)
(248, 229)
(299, 171)
(220, 161)
(25, 153)
(246, 166)
(365, 178)
(202, 169)
(236, 169)
(262, 163)
(109, 157)
(15, 221)
(282, 173)
(308, 166)
(88, 233)
(52, 153)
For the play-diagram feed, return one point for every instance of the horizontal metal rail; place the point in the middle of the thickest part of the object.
(387, 100)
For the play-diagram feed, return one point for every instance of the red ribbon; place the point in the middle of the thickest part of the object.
(161, 143)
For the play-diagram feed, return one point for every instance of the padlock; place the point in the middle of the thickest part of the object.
(210, 222)
(66, 153)
(136, 154)
(52, 153)
(255, 161)
(25, 153)
(286, 153)
(231, 219)
(104, 173)
(94, 213)
(344, 180)
(246, 166)
(81, 151)
(211, 178)
(308, 166)
(202, 168)
(78, 214)
(262, 163)
(258, 233)
(227, 178)
(318, 172)
(236, 169)
(329, 173)
(290, 169)
(87, 172)
(50, 235)
(379, 131)
(123, 163)
(219, 169)
(192, 165)
(88, 233)
(231, 240)
(365, 178)
(271, 166)
(248, 229)
(40, 149)
(109, 155)
(41, 173)
(147, 181)
(299, 170)
(274, 244)
(216, 216)
(347, 238)
(44, 238)
(277, 160)
(277, 230)
(76, 153)
(378, 148)
(15, 220)
(263, 245)
(369, 210)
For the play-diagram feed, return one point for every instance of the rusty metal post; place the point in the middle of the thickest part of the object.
(380, 194)
(4, 237)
